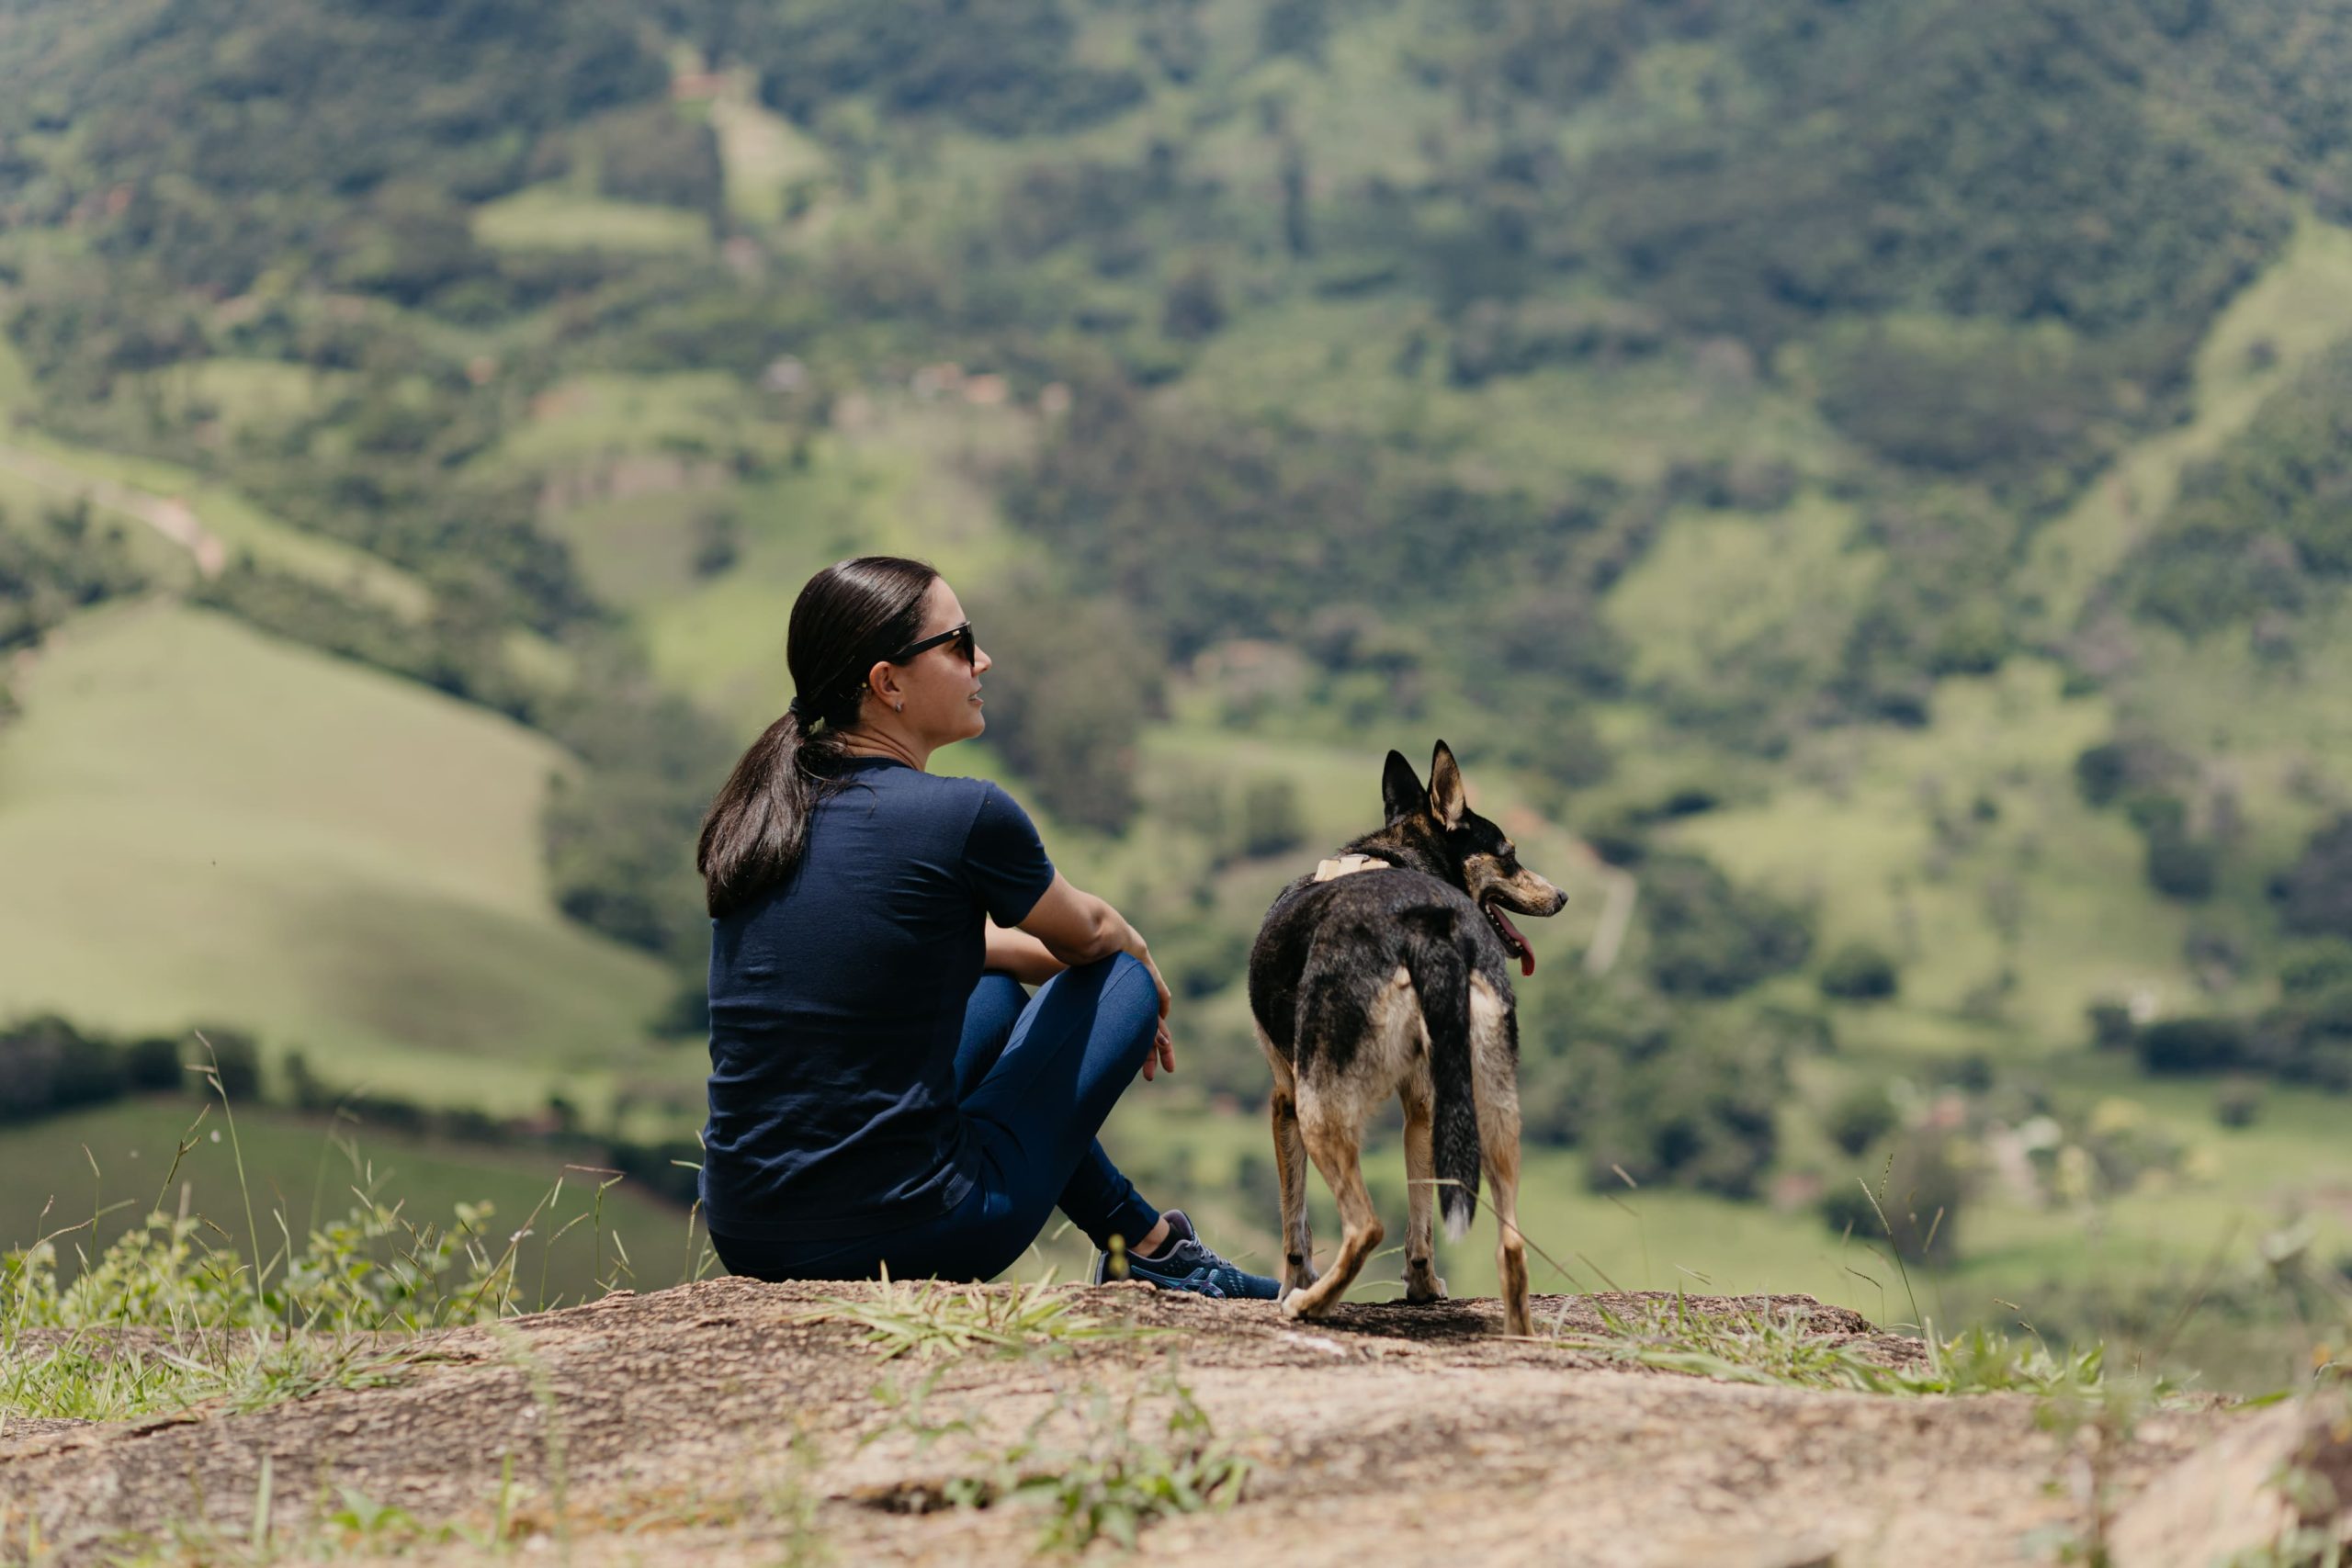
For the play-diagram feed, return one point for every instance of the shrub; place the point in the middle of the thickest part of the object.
(2238, 1102)
(2101, 772)
(2114, 770)
(2178, 865)
(1915, 1209)
(2315, 893)
(1847, 1208)
(237, 1060)
(47, 1065)
(152, 1065)
(1859, 972)
(1860, 1117)
(2192, 1045)
(2111, 1026)
(1195, 306)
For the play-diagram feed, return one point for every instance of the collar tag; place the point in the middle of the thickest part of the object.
(1348, 865)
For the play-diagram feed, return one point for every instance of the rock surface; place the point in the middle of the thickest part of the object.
(732, 1422)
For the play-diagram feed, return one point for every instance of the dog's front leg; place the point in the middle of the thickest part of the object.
(1290, 1170)
(1421, 1281)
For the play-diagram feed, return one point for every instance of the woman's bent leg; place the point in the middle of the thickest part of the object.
(996, 1006)
(1098, 1196)
(1073, 1053)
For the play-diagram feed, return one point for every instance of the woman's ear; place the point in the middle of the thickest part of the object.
(883, 681)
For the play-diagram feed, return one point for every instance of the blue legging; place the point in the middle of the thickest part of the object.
(1035, 1078)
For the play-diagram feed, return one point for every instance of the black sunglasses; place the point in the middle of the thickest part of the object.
(960, 634)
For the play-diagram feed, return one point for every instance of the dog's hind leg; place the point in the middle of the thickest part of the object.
(1334, 1142)
(1421, 1284)
(1290, 1169)
(1511, 1250)
(1494, 1033)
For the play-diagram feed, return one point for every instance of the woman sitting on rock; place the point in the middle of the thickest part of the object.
(883, 1094)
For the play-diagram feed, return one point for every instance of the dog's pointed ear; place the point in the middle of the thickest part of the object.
(1400, 789)
(1449, 799)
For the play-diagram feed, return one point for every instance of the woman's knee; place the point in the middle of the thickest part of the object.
(1119, 974)
(1119, 981)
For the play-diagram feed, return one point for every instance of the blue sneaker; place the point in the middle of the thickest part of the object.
(1184, 1264)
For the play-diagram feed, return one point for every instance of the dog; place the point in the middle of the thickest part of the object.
(1385, 972)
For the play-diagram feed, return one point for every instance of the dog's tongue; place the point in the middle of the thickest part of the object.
(1526, 954)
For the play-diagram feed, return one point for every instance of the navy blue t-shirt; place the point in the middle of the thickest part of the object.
(837, 1001)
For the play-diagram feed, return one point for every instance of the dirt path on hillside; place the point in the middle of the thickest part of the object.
(722, 1424)
(169, 515)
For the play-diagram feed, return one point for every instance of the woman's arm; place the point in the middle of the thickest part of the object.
(1077, 927)
(1021, 955)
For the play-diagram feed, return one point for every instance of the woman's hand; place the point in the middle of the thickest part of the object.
(1077, 927)
(1163, 1046)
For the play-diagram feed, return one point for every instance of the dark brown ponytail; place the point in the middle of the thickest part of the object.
(848, 618)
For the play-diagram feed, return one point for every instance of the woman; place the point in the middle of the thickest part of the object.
(883, 1094)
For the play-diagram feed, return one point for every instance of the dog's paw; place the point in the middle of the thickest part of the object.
(1299, 1276)
(1420, 1292)
(1294, 1304)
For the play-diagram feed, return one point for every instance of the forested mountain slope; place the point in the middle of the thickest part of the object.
(1873, 474)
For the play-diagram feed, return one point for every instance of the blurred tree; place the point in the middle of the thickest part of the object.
(1709, 938)
(1195, 306)
(1270, 823)
(1859, 971)
(2315, 894)
(1860, 1117)
(1073, 686)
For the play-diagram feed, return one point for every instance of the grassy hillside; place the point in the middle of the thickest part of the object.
(199, 823)
(1862, 485)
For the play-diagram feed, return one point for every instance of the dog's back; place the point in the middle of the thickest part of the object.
(1361, 989)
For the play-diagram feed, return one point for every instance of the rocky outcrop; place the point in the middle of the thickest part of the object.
(732, 1421)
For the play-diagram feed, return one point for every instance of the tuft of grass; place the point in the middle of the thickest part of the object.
(1121, 1479)
(173, 1314)
(1756, 1344)
(1126, 1470)
(931, 1318)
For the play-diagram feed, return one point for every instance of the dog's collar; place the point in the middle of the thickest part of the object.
(1348, 865)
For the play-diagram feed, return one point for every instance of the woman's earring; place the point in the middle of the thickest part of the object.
(901, 705)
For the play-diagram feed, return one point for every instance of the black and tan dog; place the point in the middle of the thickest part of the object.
(1385, 972)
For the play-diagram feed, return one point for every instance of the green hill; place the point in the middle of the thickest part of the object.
(1871, 474)
(199, 823)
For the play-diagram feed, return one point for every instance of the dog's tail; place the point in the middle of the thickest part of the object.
(1442, 975)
